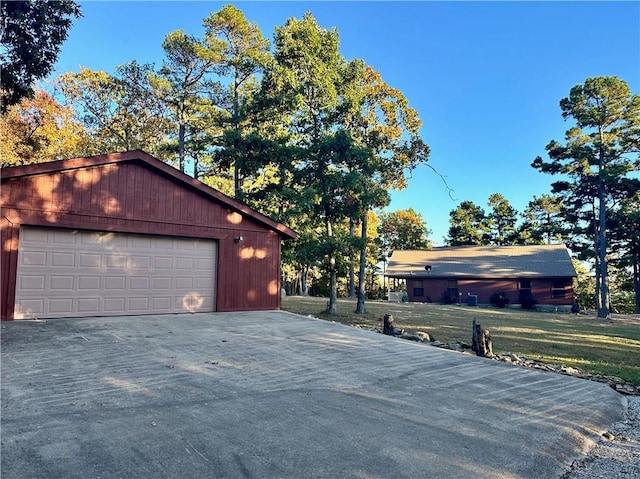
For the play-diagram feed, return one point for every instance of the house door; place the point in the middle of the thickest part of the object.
(452, 290)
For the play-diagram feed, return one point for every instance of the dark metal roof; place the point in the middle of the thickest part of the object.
(483, 262)
(159, 167)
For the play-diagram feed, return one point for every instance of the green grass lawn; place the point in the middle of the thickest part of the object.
(609, 348)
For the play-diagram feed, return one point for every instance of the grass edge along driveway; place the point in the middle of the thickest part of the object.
(607, 348)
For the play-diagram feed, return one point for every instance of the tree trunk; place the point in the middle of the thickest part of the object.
(597, 272)
(363, 265)
(332, 307)
(352, 281)
(181, 135)
(305, 281)
(237, 190)
(603, 304)
(481, 341)
(298, 287)
(387, 326)
(596, 254)
(196, 166)
(636, 283)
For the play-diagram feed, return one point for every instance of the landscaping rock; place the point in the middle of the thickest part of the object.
(411, 337)
(425, 336)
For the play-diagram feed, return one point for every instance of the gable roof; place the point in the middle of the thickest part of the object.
(158, 167)
(483, 262)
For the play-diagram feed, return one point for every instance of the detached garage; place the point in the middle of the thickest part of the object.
(126, 234)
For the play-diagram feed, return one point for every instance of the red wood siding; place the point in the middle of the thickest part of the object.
(130, 197)
(542, 289)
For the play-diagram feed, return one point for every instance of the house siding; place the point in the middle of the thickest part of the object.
(131, 197)
(542, 289)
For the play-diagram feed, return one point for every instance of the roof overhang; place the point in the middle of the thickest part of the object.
(471, 277)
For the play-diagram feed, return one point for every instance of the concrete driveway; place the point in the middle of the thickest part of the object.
(276, 395)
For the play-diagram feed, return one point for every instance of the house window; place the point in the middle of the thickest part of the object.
(558, 289)
(418, 290)
(525, 287)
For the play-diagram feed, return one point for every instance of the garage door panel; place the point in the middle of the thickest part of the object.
(91, 239)
(90, 260)
(115, 283)
(65, 260)
(163, 262)
(116, 261)
(33, 236)
(141, 242)
(184, 264)
(61, 283)
(204, 283)
(30, 308)
(34, 258)
(161, 304)
(138, 304)
(63, 238)
(163, 244)
(184, 283)
(89, 282)
(89, 305)
(139, 262)
(112, 274)
(162, 282)
(60, 305)
(32, 282)
(140, 283)
(115, 305)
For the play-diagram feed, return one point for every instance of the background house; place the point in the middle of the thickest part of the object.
(542, 271)
(125, 234)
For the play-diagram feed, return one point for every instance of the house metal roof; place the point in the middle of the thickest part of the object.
(159, 167)
(483, 262)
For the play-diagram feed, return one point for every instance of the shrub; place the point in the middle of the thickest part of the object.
(449, 297)
(527, 301)
(499, 300)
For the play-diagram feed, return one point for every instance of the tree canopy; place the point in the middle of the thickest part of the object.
(39, 129)
(469, 225)
(32, 34)
(403, 230)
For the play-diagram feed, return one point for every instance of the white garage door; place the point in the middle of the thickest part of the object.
(68, 273)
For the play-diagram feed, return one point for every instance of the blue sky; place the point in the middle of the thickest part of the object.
(485, 77)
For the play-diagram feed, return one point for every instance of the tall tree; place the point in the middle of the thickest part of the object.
(468, 225)
(305, 80)
(32, 34)
(243, 54)
(119, 112)
(37, 130)
(599, 153)
(181, 84)
(387, 131)
(502, 220)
